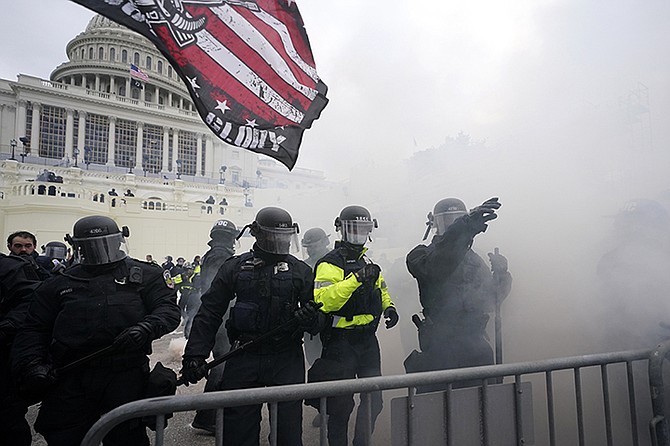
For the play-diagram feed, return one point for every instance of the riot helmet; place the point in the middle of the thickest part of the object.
(273, 229)
(55, 250)
(223, 230)
(444, 213)
(315, 241)
(355, 224)
(97, 240)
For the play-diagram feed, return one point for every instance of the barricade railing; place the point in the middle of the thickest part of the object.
(594, 381)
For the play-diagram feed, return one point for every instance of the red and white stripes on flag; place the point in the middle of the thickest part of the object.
(136, 73)
(247, 64)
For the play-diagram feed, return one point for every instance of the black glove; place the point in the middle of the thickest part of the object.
(193, 370)
(36, 381)
(135, 337)
(479, 216)
(308, 313)
(369, 273)
(391, 316)
(498, 262)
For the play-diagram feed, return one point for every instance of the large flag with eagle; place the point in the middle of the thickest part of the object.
(247, 64)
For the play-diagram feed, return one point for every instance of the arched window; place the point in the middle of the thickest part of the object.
(101, 53)
(136, 58)
(148, 62)
(112, 54)
(148, 96)
(159, 67)
(170, 71)
(124, 56)
(122, 90)
(90, 53)
(83, 53)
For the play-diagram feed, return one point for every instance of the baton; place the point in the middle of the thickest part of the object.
(223, 358)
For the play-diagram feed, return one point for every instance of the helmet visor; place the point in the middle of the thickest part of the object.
(277, 240)
(356, 231)
(55, 252)
(100, 250)
(444, 219)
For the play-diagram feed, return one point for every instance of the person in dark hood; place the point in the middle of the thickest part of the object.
(457, 289)
(221, 247)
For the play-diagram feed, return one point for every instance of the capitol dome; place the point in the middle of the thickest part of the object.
(100, 58)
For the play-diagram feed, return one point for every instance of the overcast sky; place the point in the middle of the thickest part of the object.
(401, 78)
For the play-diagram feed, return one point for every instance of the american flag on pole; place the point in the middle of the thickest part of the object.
(136, 73)
(247, 64)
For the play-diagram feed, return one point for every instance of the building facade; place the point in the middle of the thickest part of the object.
(92, 128)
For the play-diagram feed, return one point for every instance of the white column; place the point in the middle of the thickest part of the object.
(128, 87)
(20, 122)
(209, 158)
(97, 82)
(69, 133)
(112, 85)
(166, 149)
(198, 155)
(181, 102)
(175, 149)
(35, 132)
(156, 94)
(2, 113)
(140, 144)
(111, 142)
(169, 99)
(142, 93)
(81, 133)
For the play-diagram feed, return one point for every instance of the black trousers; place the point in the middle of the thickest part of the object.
(453, 351)
(82, 396)
(14, 429)
(207, 417)
(358, 353)
(241, 425)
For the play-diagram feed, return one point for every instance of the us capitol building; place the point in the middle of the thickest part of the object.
(66, 142)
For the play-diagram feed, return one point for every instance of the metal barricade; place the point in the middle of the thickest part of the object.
(594, 399)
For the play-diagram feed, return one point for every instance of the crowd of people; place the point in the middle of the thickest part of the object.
(77, 322)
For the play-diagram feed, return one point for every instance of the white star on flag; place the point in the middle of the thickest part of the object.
(252, 123)
(223, 106)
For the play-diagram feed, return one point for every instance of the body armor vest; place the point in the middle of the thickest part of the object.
(265, 296)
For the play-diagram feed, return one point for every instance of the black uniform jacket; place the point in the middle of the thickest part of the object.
(267, 282)
(453, 280)
(83, 309)
(18, 280)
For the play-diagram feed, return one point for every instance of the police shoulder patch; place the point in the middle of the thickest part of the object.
(168, 279)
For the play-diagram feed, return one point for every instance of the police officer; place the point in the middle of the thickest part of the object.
(316, 244)
(272, 289)
(457, 289)
(17, 282)
(353, 292)
(189, 295)
(107, 302)
(221, 247)
(54, 257)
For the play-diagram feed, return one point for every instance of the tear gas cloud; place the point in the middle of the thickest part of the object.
(560, 109)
